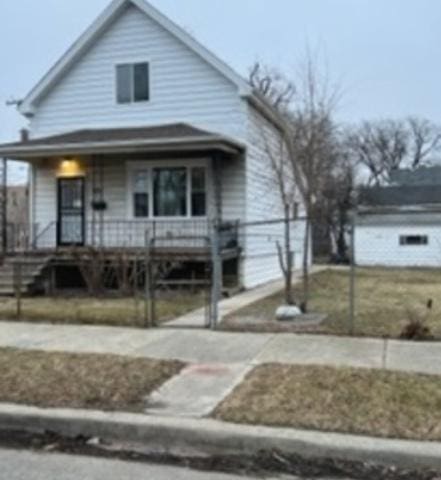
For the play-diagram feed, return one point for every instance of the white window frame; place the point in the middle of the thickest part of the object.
(132, 62)
(149, 166)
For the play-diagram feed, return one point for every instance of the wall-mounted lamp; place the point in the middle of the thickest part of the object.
(70, 167)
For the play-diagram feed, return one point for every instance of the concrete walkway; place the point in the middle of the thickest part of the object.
(196, 319)
(218, 361)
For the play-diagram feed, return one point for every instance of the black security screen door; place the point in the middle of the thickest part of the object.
(71, 211)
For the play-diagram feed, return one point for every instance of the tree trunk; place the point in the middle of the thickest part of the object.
(306, 265)
(289, 296)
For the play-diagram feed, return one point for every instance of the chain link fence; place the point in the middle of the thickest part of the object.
(390, 286)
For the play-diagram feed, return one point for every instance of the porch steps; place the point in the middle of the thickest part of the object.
(31, 266)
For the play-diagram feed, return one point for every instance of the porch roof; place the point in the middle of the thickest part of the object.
(177, 137)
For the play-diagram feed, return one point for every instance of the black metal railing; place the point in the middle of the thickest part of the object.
(174, 233)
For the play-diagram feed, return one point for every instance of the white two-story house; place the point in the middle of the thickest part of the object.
(139, 128)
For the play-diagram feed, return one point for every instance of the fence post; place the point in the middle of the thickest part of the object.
(149, 311)
(4, 205)
(17, 287)
(352, 277)
(216, 276)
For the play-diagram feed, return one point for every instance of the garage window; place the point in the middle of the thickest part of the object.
(413, 240)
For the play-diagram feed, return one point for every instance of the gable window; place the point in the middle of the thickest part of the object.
(132, 83)
(413, 240)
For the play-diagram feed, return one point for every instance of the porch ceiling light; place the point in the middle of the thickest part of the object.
(69, 167)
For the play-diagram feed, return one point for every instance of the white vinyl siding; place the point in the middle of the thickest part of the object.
(183, 87)
(263, 202)
(379, 245)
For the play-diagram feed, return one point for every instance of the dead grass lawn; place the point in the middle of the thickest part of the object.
(384, 298)
(86, 381)
(122, 312)
(357, 401)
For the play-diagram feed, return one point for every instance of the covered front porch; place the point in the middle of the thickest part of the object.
(167, 187)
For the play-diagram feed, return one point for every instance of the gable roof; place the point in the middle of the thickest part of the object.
(98, 27)
(420, 176)
(401, 196)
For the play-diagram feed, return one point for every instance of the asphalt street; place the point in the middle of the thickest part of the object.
(25, 465)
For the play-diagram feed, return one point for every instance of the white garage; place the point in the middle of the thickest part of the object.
(399, 226)
(398, 240)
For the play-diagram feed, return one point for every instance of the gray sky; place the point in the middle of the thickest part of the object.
(383, 52)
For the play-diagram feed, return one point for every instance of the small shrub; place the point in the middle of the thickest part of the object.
(416, 327)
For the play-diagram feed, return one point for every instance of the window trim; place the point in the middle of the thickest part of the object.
(134, 166)
(132, 63)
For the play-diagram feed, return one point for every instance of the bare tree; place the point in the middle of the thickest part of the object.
(385, 146)
(286, 186)
(268, 82)
(425, 140)
(308, 129)
(337, 200)
(311, 132)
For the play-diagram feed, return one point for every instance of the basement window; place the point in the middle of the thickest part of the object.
(414, 240)
(132, 83)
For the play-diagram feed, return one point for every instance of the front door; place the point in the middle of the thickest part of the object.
(70, 212)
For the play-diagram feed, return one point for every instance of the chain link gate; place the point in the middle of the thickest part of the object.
(158, 266)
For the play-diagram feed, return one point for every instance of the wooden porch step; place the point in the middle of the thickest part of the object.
(31, 268)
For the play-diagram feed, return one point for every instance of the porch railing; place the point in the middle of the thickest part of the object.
(18, 237)
(186, 233)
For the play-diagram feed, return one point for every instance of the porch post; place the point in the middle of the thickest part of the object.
(216, 166)
(4, 205)
(216, 250)
(97, 179)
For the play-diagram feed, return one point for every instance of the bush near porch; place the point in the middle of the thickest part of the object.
(111, 311)
(385, 300)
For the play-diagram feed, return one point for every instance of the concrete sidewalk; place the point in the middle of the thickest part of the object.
(218, 361)
(209, 347)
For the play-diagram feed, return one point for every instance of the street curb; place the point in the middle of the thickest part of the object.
(214, 437)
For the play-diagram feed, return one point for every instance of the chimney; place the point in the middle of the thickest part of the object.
(24, 135)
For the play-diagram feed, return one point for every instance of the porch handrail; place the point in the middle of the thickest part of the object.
(40, 235)
(129, 233)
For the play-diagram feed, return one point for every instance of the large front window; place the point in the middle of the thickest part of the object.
(169, 192)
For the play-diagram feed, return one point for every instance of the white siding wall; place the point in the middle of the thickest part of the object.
(45, 199)
(233, 189)
(380, 246)
(263, 202)
(183, 87)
